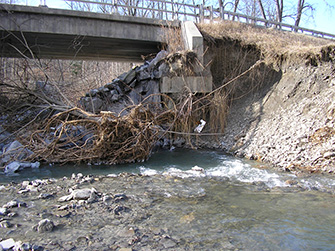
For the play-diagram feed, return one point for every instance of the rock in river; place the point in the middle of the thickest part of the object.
(80, 194)
(44, 225)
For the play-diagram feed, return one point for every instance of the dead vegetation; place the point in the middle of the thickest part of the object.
(275, 47)
(103, 138)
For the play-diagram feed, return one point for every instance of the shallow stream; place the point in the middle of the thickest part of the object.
(200, 200)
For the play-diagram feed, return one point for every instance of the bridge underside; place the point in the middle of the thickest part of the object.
(61, 46)
(69, 34)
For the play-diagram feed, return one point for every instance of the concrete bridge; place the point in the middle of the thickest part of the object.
(68, 34)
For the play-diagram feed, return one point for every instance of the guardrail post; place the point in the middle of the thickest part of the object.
(172, 9)
(211, 13)
(201, 13)
(222, 13)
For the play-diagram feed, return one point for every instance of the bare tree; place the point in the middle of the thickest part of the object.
(235, 6)
(302, 6)
(280, 8)
(262, 8)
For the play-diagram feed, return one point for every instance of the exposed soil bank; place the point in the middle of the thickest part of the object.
(283, 113)
(289, 123)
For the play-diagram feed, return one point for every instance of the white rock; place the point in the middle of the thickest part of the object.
(12, 167)
(198, 169)
(83, 194)
(7, 244)
(16, 166)
(79, 194)
(328, 155)
(3, 211)
(65, 198)
(25, 183)
(44, 225)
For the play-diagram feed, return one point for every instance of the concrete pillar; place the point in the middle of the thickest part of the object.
(193, 39)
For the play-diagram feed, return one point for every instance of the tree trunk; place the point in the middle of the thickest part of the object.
(236, 4)
(279, 6)
(300, 7)
(262, 8)
(235, 7)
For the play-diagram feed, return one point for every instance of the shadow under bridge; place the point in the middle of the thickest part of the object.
(68, 34)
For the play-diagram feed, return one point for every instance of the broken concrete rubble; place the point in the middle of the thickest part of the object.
(145, 82)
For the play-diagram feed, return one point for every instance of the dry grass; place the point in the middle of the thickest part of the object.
(275, 46)
(173, 38)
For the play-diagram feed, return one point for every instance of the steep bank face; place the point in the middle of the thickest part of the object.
(289, 123)
(283, 111)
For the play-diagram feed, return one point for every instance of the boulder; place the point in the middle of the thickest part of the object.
(15, 151)
(80, 194)
(128, 77)
(44, 225)
(16, 166)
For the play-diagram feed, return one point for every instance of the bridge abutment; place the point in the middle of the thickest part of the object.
(202, 82)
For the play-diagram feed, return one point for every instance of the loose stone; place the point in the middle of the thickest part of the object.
(45, 196)
(5, 224)
(15, 203)
(120, 209)
(44, 225)
(3, 211)
(7, 244)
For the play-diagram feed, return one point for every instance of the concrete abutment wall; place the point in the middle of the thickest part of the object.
(202, 83)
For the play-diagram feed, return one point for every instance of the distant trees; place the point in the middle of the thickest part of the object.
(275, 10)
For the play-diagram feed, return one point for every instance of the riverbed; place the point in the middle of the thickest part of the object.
(178, 200)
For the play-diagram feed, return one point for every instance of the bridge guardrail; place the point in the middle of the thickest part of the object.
(174, 10)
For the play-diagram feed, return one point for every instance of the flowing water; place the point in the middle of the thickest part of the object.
(213, 201)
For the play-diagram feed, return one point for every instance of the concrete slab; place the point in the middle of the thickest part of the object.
(56, 33)
(178, 84)
(193, 39)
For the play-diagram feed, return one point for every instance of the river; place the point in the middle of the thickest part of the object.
(207, 200)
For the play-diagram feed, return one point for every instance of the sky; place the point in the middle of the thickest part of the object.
(324, 17)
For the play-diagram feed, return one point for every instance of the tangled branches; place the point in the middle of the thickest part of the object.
(75, 135)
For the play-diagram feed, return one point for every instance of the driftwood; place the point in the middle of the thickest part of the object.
(75, 135)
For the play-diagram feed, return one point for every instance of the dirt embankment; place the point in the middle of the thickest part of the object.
(283, 111)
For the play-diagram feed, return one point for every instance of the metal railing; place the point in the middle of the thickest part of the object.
(173, 10)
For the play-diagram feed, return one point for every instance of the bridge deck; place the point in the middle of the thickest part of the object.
(55, 33)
